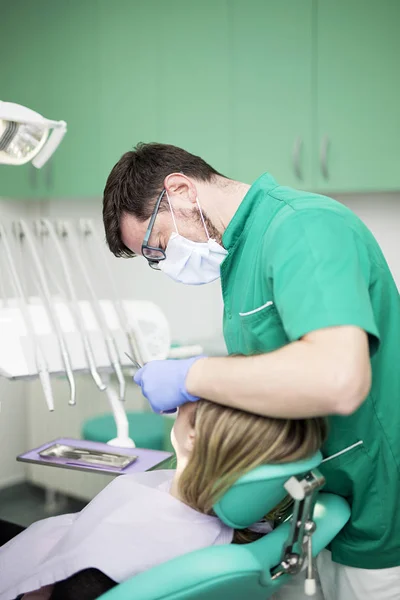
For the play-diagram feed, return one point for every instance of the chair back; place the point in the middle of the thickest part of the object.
(259, 491)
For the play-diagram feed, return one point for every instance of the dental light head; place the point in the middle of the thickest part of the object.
(25, 135)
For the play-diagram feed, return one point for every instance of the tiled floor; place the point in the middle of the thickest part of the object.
(25, 503)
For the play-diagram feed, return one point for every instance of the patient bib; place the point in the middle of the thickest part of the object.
(132, 525)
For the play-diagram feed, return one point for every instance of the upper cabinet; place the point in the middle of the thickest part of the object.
(130, 96)
(271, 90)
(72, 93)
(194, 78)
(55, 71)
(357, 95)
(165, 77)
(309, 90)
(24, 77)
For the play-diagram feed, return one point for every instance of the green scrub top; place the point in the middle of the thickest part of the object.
(298, 262)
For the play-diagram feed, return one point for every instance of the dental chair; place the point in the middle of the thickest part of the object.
(256, 570)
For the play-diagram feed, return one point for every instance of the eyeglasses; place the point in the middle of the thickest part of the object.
(153, 255)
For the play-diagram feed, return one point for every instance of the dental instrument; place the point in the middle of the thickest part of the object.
(143, 324)
(44, 226)
(135, 363)
(87, 229)
(80, 455)
(66, 233)
(145, 459)
(24, 232)
(41, 364)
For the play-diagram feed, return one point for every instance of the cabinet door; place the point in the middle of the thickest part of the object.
(195, 108)
(358, 83)
(53, 69)
(71, 92)
(165, 77)
(20, 58)
(271, 99)
(130, 93)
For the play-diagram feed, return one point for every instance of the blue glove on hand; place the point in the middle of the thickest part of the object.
(163, 383)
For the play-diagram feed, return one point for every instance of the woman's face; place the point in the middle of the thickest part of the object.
(182, 434)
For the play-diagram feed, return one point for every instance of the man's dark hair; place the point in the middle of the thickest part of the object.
(136, 181)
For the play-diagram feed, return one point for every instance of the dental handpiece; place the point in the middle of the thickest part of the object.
(75, 304)
(51, 312)
(88, 228)
(40, 361)
(106, 332)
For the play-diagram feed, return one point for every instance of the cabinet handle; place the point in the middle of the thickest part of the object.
(324, 156)
(297, 146)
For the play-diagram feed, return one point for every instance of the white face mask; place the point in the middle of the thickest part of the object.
(193, 263)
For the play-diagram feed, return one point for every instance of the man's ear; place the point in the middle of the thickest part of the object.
(178, 184)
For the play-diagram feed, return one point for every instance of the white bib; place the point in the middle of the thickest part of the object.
(132, 525)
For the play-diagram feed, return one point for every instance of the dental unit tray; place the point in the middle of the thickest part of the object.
(85, 455)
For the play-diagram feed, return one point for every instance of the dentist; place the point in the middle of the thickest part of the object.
(313, 311)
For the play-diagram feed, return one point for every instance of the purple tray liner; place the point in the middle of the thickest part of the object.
(146, 459)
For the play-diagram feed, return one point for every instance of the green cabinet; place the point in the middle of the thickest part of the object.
(207, 76)
(52, 67)
(194, 85)
(358, 95)
(165, 77)
(309, 90)
(73, 74)
(22, 81)
(128, 97)
(272, 94)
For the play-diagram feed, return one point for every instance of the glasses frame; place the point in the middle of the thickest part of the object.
(145, 244)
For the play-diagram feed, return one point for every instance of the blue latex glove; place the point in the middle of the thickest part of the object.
(163, 383)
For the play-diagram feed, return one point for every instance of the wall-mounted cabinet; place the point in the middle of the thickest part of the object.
(309, 91)
(55, 70)
(166, 77)
(272, 94)
(357, 95)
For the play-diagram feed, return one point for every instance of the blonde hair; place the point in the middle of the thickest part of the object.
(228, 443)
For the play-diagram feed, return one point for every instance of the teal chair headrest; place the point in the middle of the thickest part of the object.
(259, 491)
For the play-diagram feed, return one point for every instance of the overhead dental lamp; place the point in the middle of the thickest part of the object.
(25, 135)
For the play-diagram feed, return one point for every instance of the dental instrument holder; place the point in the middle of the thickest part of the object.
(122, 439)
(45, 228)
(298, 546)
(35, 330)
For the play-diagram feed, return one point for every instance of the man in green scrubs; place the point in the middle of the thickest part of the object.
(313, 311)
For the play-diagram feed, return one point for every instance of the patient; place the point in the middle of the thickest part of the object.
(139, 521)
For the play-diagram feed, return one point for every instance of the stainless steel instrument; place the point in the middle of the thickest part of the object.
(87, 456)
